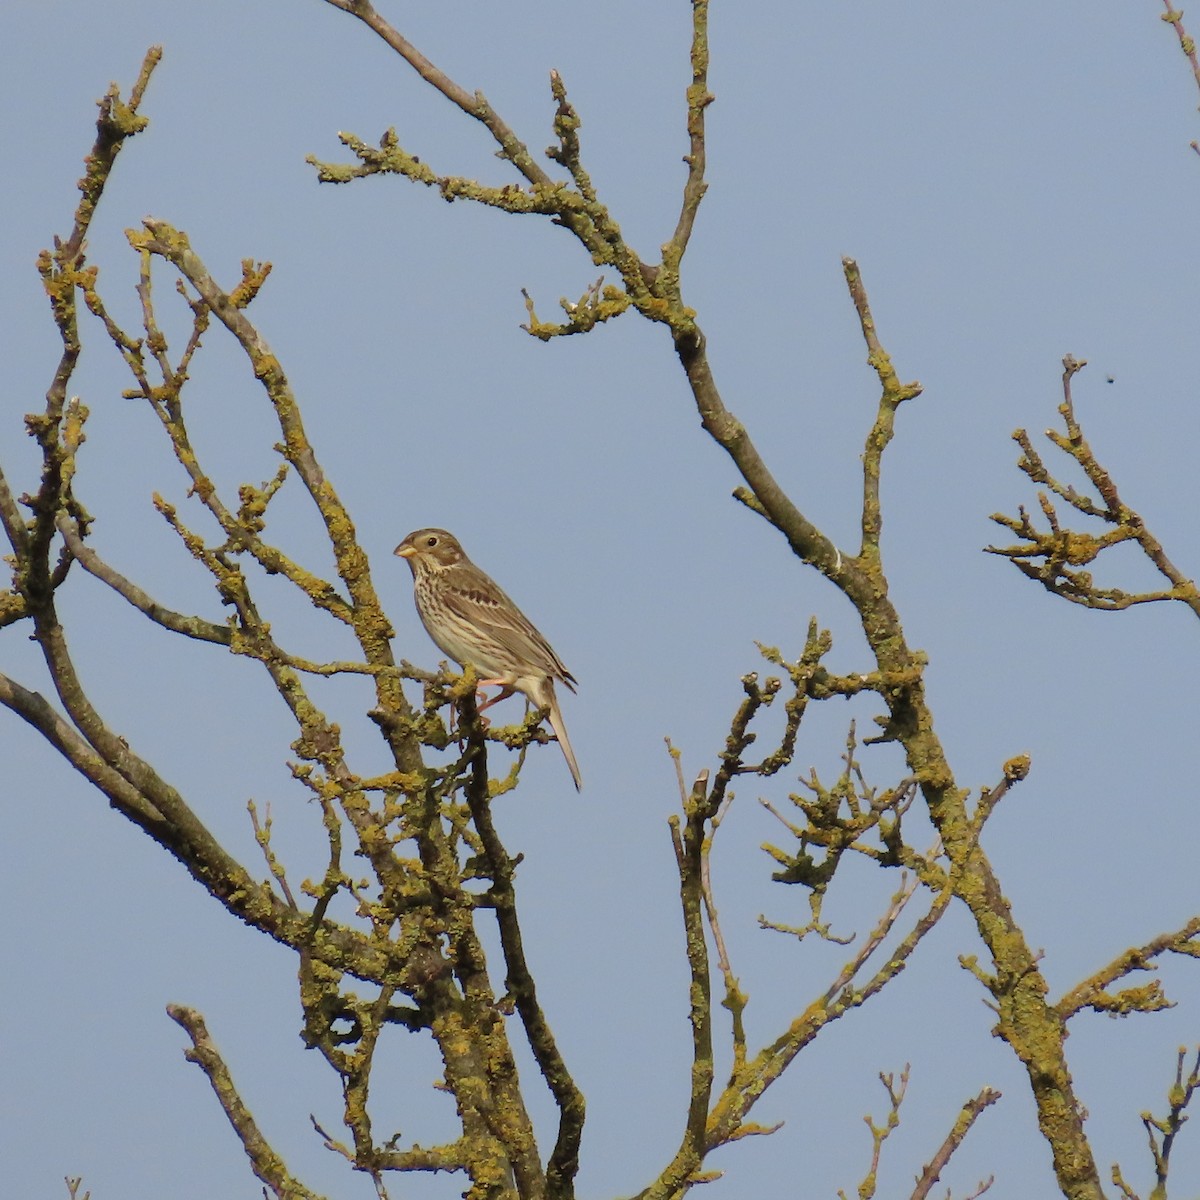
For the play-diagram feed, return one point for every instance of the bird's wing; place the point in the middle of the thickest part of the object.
(498, 619)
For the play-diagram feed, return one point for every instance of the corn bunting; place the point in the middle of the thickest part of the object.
(474, 622)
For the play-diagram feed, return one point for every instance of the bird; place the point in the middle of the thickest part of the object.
(473, 621)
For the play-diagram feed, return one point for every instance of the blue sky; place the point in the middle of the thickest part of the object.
(1015, 182)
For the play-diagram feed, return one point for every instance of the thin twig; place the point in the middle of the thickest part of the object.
(962, 1126)
(893, 394)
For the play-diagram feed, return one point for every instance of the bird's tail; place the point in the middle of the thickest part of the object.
(560, 732)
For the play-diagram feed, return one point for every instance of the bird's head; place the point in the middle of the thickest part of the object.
(434, 549)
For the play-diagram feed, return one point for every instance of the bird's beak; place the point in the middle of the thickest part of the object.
(404, 550)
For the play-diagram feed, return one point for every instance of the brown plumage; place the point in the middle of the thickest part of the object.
(472, 621)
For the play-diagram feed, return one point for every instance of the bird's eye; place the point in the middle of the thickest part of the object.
(431, 542)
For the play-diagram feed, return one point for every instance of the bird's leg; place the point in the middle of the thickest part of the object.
(506, 690)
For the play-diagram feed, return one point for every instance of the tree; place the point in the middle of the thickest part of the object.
(406, 946)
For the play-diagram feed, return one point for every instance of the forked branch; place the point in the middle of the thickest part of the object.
(1058, 556)
(1161, 1132)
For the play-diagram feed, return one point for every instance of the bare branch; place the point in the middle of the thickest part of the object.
(1056, 557)
(1092, 993)
(58, 429)
(264, 1161)
(473, 104)
(687, 838)
(125, 797)
(735, 999)
(1162, 1131)
(962, 1126)
(698, 100)
(880, 1133)
(1015, 770)
(893, 394)
(564, 1160)
(1187, 43)
(262, 835)
(192, 627)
